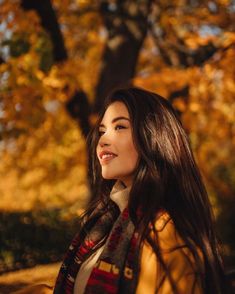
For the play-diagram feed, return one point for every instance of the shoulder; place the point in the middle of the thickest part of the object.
(171, 244)
(168, 237)
(176, 256)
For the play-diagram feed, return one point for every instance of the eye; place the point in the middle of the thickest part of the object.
(118, 127)
(100, 133)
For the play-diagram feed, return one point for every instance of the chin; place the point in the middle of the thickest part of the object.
(109, 176)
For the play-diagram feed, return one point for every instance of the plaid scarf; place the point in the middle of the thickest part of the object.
(116, 270)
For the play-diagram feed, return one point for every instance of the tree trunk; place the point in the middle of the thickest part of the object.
(127, 24)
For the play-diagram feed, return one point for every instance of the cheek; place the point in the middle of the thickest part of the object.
(131, 154)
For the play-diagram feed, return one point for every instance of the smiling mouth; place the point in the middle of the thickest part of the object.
(107, 157)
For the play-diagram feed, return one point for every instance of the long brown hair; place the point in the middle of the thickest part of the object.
(167, 177)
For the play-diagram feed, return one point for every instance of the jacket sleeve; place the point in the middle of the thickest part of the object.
(177, 258)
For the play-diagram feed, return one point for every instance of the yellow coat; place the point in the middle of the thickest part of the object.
(179, 262)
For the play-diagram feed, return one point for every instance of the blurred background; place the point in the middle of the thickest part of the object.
(58, 60)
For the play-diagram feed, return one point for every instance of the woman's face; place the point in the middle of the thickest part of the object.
(115, 150)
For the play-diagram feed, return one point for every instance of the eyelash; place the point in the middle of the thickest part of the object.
(117, 126)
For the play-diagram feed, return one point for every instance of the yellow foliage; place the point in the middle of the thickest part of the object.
(43, 152)
(208, 113)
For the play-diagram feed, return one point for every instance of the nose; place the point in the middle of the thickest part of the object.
(103, 143)
(104, 140)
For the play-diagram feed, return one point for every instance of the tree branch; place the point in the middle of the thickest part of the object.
(49, 22)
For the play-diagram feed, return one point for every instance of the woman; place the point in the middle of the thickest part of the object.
(149, 229)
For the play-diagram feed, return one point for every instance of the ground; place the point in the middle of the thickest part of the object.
(13, 281)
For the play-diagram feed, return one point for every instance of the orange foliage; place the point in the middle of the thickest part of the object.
(208, 113)
(42, 151)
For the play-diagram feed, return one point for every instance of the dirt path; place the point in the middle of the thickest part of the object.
(13, 281)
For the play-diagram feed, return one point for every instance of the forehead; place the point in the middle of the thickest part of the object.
(115, 109)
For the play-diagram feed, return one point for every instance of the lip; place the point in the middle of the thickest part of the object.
(106, 152)
(107, 159)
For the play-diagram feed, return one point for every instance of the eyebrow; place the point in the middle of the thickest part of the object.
(116, 119)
